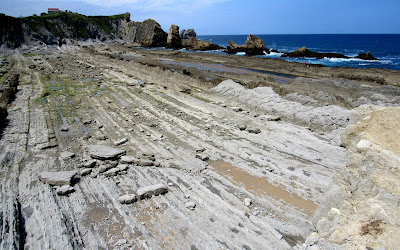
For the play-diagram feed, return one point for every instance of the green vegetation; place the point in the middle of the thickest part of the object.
(79, 23)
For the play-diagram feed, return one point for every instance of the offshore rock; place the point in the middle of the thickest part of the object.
(196, 44)
(255, 46)
(104, 152)
(366, 56)
(233, 48)
(304, 52)
(189, 33)
(149, 191)
(173, 39)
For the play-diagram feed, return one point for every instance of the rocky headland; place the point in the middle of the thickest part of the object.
(106, 145)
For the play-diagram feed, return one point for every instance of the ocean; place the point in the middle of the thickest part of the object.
(385, 47)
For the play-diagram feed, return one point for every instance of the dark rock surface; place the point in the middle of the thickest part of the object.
(366, 56)
(304, 52)
(254, 45)
(196, 44)
(173, 39)
(150, 34)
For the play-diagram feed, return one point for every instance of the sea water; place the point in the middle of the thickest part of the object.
(385, 47)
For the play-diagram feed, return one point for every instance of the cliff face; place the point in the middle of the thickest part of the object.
(57, 28)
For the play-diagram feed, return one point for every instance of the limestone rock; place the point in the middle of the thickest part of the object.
(112, 172)
(149, 33)
(149, 191)
(89, 164)
(86, 171)
(103, 152)
(189, 33)
(66, 155)
(173, 39)
(57, 178)
(104, 168)
(195, 44)
(254, 45)
(127, 199)
(63, 190)
(242, 126)
(190, 204)
(253, 130)
(128, 159)
(120, 142)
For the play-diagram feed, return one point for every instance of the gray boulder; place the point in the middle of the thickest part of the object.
(63, 190)
(57, 178)
(127, 199)
(104, 152)
(149, 191)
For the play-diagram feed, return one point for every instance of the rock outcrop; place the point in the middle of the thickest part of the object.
(254, 45)
(304, 52)
(189, 33)
(360, 210)
(196, 44)
(366, 56)
(7, 94)
(173, 39)
(148, 33)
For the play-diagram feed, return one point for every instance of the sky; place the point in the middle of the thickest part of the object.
(224, 17)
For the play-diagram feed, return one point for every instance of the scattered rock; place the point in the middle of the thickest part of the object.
(127, 199)
(64, 128)
(87, 122)
(119, 142)
(237, 109)
(57, 178)
(104, 168)
(253, 130)
(122, 167)
(103, 152)
(144, 162)
(248, 202)
(149, 191)
(101, 137)
(202, 157)
(242, 126)
(86, 171)
(89, 164)
(112, 172)
(128, 159)
(66, 155)
(190, 204)
(63, 190)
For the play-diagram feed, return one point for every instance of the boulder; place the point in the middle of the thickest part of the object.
(149, 191)
(366, 56)
(304, 52)
(196, 44)
(255, 46)
(173, 39)
(57, 178)
(253, 130)
(149, 33)
(103, 152)
(127, 199)
(63, 190)
(189, 33)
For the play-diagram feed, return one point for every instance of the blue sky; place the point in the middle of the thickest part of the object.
(211, 17)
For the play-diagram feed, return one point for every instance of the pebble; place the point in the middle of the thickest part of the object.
(248, 202)
(190, 204)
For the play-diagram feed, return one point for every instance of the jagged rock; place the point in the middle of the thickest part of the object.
(104, 152)
(66, 155)
(190, 204)
(149, 191)
(63, 190)
(366, 56)
(150, 34)
(119, 142)
(57, 178)
(233, 48)
(196, 44)
(173, 39)
(89, 164)
(127, 199)
(189, 33)
(304, 52)
(255, 46)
